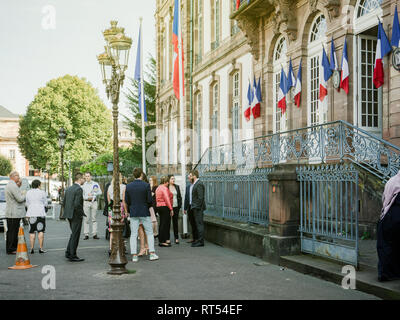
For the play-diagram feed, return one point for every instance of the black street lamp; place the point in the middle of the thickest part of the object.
(114, 63)
(62, 136)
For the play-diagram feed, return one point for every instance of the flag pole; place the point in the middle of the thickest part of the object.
(142, 99)
(182, 115)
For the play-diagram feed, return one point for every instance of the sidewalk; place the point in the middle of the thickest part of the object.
(185, 273)
(366, 276)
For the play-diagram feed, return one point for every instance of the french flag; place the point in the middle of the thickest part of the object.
(324, 75)
(395, 41)
(291, 79)
(237, 4)
(247, 112)
(344, 78)
(256, 110)
(382, 49)
(175, 42)
(297, 88)
(282, 92)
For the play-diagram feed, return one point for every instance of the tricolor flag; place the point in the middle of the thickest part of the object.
(297, 88)
(175, 42)
(291, 79)
(139, 76)
(282, 92)
(344, 78)
(382, 49)
(256, 109)
(247, 112)
(325, 73)
(237, 4)
(334, 63)
(395, 41)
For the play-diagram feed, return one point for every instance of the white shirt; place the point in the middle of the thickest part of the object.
(91, 187)
(190, 191)
(36, 200)
(110, 191)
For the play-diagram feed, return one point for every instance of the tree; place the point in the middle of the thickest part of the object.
(135, 121)
(5, 166)
(72, 103)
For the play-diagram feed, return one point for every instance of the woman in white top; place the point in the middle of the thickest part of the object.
(110, 198)
(36, 202)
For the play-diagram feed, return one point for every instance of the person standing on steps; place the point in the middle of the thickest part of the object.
(91, 189)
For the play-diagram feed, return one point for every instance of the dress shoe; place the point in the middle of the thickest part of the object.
(164, 244)
(197, 244)
(86, 238)
(96, 237)
(191, 241)
(32, 251)
(42, 251)
(76, 259)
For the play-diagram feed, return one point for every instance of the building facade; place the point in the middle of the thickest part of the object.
(226, 47)
(9, 127)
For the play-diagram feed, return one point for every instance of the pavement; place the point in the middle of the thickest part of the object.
(182, 273)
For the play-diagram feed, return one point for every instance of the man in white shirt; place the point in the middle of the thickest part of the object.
(91, 189)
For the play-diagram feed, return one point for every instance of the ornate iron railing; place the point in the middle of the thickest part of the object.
(329, 143)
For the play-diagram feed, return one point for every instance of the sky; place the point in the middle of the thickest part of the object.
(45, 39)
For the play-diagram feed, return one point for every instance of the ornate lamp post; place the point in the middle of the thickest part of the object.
(62, 136)
(113, 63)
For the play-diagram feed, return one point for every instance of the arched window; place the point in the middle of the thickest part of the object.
(280, 60)
(317, 111)
(368, 99)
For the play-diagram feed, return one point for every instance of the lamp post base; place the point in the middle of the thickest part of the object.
(118, 259)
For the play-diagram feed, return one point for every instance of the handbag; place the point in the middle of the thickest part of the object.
(126, 233)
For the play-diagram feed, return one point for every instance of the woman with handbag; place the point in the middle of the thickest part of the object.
(110, 198)
(36, 202)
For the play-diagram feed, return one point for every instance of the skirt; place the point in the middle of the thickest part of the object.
(38, 224)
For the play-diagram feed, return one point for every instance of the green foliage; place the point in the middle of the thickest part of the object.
(5, 166)
(68, 102)
(134, 122)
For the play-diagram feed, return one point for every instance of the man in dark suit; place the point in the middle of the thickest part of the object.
(198, 205)
(138, 200)
(73, 211)
(187, 210)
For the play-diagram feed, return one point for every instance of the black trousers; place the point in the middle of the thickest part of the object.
(165, 224)
(192, 221)
(12, 234)
(175, 223)
(76, 225)
(198, 218)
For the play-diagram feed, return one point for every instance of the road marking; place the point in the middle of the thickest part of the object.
(81, 248)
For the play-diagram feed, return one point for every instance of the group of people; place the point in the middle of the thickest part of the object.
(21, 204)
(140, 202)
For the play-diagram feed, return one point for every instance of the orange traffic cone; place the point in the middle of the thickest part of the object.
(22, 260)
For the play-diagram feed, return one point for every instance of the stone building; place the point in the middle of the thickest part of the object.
(224, 48)
(9, 126)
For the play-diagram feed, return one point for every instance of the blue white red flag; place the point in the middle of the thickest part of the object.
(291, 79)
(395, 41)
(382, 49)
(297, 88)
(247, 112)
(282, 92)
(256, 108)
(345, 74)
(175, 42)
(324, 75)
(139, 76)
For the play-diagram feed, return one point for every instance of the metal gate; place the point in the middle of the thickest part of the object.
(329, 211)
(238, 195)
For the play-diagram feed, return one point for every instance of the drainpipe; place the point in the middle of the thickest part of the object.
(191, 64)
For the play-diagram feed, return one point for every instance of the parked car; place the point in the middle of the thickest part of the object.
(2, 206)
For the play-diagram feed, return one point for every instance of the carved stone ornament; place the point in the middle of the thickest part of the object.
(285, 19)
(249, 25)
(313, 5)
(333, 7)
